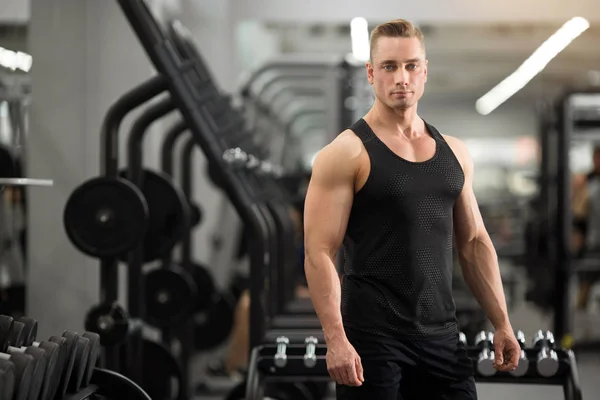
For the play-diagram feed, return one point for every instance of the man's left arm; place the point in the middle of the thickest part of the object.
(479, 261)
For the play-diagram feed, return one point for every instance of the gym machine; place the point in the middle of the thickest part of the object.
(135, 216)
(578, 119)
(58, 368)
(237, 171)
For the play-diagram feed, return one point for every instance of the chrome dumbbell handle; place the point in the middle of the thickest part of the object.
(547, 359)
(280, 356)
(523, 366)
(310, 358)
(485, 361)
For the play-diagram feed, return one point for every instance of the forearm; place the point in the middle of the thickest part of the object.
(325, 292)
(481, 273)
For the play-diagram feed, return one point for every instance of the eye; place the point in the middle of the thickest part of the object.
(411, 67)
(389, 67)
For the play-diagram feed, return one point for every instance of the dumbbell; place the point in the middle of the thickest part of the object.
(13, 345)
(547, 359)
(310, 358)
(485, 362)
(52, 348)
(7, 380)
(93, 345)
(280, 356)
(523, 366)
(462, 338)
(24, 334)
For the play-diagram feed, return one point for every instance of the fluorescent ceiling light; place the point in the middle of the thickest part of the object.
(359, 32)
(532, 66)
(15, 60)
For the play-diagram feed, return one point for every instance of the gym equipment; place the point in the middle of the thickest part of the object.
(7, 379)
(106, 217)
(170, 296)
(523, 366)
(485, 360)
(112, 385)
(24, 364)
(547, 360)
(43, 371)
(159, 371)
(280, 356)
(110, 321)
(569, 120)
(214, 328)
(168, 214)
(310, 358)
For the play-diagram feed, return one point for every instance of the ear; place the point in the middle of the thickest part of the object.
(425, 69)
(369, 68)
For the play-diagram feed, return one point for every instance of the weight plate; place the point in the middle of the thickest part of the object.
(110, 321)
(62, 364)
(169, 214)
(69, 372)
(82, 355)
(94, 346)
(214, 328)
(170, 296)
(106, 217)
(195, 215)
(206, 286)
(7, 379)
(30, 327)
(17, 335)
(160, 370)
(5, 328)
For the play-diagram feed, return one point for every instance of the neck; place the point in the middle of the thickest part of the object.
(404, 121)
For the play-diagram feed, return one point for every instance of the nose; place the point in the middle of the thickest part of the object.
(402, 77)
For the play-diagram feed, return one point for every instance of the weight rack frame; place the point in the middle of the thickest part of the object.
(262, 370)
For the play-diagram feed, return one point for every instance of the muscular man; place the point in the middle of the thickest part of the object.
(394, 190)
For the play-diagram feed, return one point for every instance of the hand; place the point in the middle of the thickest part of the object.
(343, 363)
(506, 349)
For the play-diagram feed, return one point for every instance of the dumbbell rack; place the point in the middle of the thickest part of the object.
(262, 370)
(567, 375)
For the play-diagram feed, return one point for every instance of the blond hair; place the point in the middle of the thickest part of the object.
(395, 28)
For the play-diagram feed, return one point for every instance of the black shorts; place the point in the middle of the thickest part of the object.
(406, 370)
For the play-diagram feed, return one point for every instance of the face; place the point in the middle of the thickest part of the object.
(398, 71)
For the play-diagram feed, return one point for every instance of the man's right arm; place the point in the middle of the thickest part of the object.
(327, 207)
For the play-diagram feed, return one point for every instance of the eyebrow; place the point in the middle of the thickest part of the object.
(411, 60)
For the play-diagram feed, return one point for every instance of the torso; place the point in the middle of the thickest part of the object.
(398, 247)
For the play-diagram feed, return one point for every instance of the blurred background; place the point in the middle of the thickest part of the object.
(297, 69)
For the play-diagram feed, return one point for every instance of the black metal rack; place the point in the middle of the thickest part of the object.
(263, 370)
(183, 82)
(570, 119)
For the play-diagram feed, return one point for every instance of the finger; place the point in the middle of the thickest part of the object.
(344, 376)
(359, 370)
(353, 374)
(333, 372)
(499, 354)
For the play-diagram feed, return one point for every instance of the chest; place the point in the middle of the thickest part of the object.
(416, 150)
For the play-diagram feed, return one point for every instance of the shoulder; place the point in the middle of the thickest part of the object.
(461, 151)
(342, 152)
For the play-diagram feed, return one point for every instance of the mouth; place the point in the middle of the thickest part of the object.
(401, 93)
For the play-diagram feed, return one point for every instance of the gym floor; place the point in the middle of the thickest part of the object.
(528, 319)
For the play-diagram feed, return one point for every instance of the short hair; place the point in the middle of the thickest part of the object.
(395, 28)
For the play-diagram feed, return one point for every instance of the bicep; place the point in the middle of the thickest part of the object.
(327, 206)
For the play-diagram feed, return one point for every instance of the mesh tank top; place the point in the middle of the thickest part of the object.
(397, 279)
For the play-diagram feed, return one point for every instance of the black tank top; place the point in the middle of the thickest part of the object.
(397, 279)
